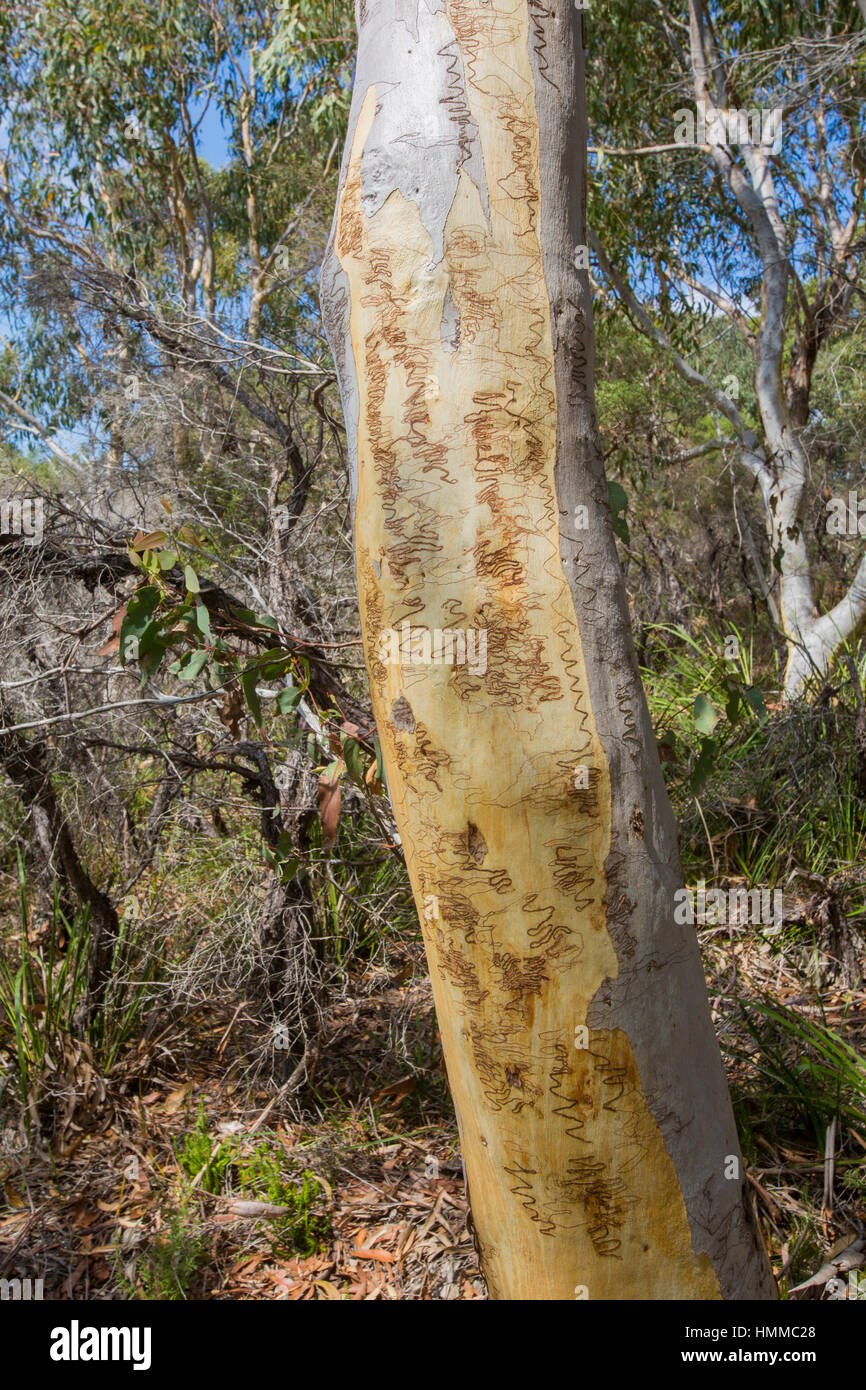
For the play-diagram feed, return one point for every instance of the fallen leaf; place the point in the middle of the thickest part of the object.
(252, 1208)
(175, 1099)
(329, 1290)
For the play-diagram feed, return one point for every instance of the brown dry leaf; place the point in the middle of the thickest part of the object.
(79, 1270)
(154, 540)
(667, 753)
(281, 1279)
(383, 1233)
(372, 780)
(406, 1242)
(330, 800)
(231, 710)
(398, 1090)
(175, 1099)
(113, 643)
(328, 1289)
(83, 1215)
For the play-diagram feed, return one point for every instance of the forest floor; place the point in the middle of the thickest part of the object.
(116, 1210)
(159, 1186)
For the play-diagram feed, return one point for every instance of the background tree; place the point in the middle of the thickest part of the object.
(149, 299)
(763, 232)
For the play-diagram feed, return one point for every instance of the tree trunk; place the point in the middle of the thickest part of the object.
(601, 1154)
(813, 639)
(25, 764)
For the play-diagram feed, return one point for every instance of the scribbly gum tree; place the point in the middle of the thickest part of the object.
(599, 1143)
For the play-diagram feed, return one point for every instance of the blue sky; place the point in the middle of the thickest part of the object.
(212, 144)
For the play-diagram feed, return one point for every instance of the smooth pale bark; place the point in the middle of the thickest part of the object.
(595, 1121)
(813, 638)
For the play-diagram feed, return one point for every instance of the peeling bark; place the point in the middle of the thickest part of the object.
(599, 1143)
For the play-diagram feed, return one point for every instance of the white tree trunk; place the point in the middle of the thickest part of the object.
(812, 638)
(780, 464)
(597, 1131)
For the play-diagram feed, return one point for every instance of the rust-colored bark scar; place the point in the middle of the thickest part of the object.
(500, 784)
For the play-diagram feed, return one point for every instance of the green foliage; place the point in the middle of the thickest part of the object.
(202, 1158)
(173, 1257)
(618, 499)
(260, 1174)
(698, 695)
(768, 798)
(313, 42)
(43, 1029)
(305, 1226)
(799, 1070)
(107, 110)
(168, 614)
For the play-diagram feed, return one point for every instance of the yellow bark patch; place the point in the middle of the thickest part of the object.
(500, 785)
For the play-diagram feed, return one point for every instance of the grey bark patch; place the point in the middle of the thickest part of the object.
(407, 13)
(449, 328)
(334, 304)
(476, 843)
(401, 715)
(423, 132)
(427, 99)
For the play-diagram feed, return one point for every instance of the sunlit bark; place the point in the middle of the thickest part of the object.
(600, 1150)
